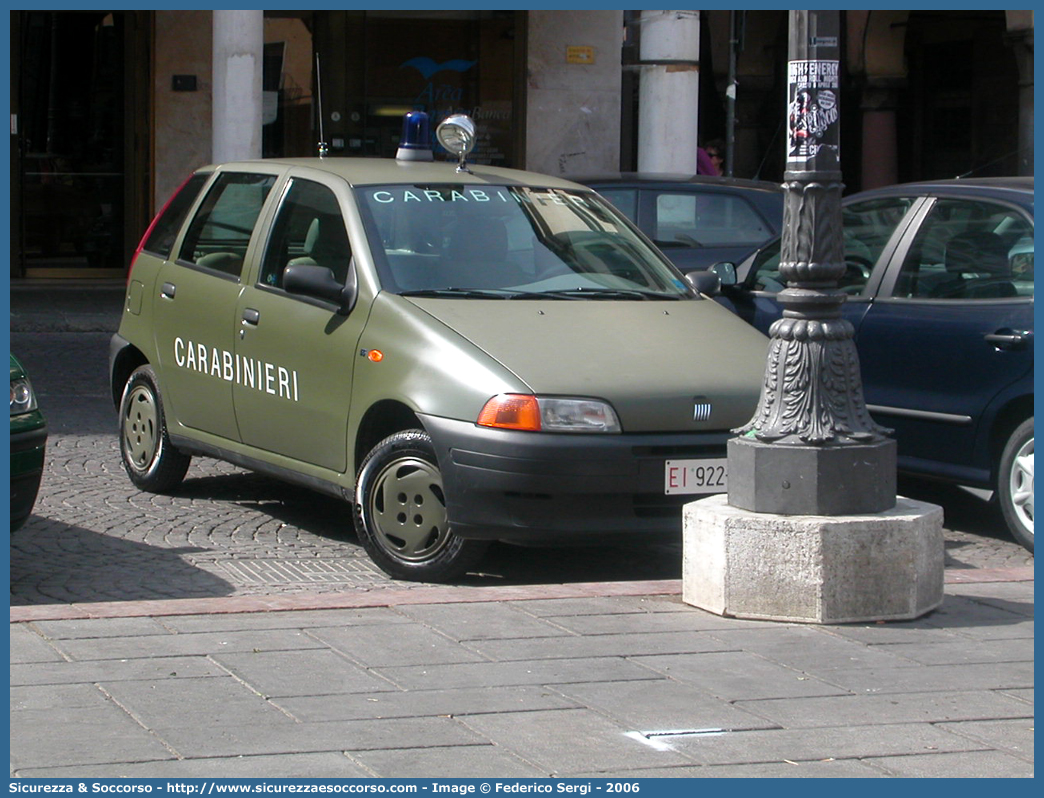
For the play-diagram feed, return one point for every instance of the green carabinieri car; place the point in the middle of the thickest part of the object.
(28, 444)
(464, 354)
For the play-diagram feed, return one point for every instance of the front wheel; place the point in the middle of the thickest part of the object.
(400, 512)
(151, 461)
(1015, 483)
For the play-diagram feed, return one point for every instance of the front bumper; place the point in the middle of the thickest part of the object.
(28, 444)
(542, 487)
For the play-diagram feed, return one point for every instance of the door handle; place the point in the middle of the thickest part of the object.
(1009, 339)
(251, 316)
(168, 290)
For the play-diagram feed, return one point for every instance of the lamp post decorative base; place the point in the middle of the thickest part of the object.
(813, 389)
(813, 569)
(812, 480)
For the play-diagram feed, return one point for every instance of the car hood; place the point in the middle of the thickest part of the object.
(651, 360)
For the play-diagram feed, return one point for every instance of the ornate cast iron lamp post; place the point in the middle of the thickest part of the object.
(811, 447)
(811, 530)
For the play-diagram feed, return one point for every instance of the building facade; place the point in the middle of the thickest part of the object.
(112, 109)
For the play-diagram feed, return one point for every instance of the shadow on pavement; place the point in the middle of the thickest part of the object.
(55, 563)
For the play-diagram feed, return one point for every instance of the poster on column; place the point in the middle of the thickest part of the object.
(813, 115)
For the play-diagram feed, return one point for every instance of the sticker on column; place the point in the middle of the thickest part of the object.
(813, 114)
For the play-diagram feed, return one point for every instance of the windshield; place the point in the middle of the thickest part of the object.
(511, 242)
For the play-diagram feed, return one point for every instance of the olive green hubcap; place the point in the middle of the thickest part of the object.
(408, 509)
(141, 428)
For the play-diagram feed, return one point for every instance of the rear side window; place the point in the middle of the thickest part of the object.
(219, 234)
(707, 219)
(968, 249)
(165, 229)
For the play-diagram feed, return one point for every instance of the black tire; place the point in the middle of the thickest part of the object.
(149, 458)
(400, 513)
(1015, 483)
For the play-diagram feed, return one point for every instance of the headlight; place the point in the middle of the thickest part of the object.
(548, 414)
(22, 397)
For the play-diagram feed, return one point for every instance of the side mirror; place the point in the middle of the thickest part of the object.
(705, 281)
(726, 272)
(319, 282)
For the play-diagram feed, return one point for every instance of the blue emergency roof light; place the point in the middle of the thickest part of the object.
(415, 143)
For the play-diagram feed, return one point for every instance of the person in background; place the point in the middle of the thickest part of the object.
(710, 158)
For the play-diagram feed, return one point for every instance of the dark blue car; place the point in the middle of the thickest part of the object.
(940, 292)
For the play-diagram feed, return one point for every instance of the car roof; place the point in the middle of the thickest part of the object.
(670, 180)
(380, 171)
(1014, 188)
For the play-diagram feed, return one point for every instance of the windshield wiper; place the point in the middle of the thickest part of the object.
(542, 295)
(568, 293)
(611, 293)
(459, 293)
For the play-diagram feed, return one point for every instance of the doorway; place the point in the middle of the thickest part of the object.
(79, 165)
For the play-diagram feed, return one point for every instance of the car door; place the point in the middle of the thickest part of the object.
(951, 326)
(294, 355)
(197, 295)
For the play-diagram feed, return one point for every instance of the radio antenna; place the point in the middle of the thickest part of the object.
(323, 149)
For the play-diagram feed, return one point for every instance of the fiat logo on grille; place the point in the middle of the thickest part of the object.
(701, 408)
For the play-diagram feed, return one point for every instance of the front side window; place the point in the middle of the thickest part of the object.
(867, 227)
(510, 241)
(219, 234)
(309, 229)
(765, 274)
(969, 250)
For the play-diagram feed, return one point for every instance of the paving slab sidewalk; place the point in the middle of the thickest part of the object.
(565, 681)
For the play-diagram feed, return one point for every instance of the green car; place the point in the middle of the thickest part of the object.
(28, 442)
(462, 353)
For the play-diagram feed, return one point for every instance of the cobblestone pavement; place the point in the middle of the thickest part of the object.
(228, 532)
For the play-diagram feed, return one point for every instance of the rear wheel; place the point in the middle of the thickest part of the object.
(1015, 483)
(151, 461)
(400, 512)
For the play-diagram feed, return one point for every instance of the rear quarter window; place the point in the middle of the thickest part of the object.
(164, 231)
(624, 199)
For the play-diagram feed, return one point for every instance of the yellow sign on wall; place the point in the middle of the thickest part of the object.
(580, 55)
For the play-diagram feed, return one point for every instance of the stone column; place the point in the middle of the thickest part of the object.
(238, 54)
(669, 91)
(880, 138)
(1022, 43)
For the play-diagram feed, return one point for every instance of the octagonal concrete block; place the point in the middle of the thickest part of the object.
(813, 569)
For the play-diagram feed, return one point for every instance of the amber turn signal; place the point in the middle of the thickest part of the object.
(511, 411)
